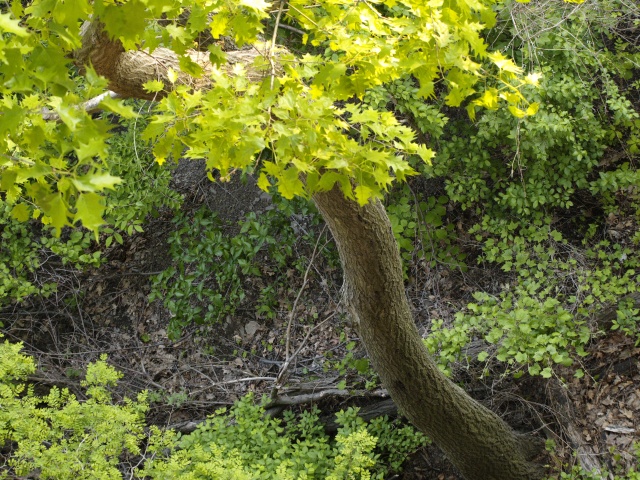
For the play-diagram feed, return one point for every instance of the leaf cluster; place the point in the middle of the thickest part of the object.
(212, 265)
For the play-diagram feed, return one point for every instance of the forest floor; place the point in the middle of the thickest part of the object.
(106, 310)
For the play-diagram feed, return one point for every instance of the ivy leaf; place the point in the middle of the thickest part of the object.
(546, 372)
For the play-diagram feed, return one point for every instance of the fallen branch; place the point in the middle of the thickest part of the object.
(382, 406)
(288, 401)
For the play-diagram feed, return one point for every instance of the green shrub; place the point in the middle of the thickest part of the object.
(56, 436)
(420, 230)
(145, 189)
(27, 246)
(210, 267)
(252, 445)
(542, 189)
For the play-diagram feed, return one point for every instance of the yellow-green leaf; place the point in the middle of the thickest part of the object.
(263, 182)
(20, 212)
(10, 25)
(89, 209)
(118, 107)
(153, 86)
(516, 112)
(289, 184)
(533, 108)
(364, 194)
(56, 211)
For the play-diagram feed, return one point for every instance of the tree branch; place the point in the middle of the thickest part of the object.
(128, 71)
(89, 106)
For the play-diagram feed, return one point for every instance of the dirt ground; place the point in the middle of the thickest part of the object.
(106, 310)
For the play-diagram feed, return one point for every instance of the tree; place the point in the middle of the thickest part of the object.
(294, 118)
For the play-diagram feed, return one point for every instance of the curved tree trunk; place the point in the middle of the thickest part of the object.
(476, 441)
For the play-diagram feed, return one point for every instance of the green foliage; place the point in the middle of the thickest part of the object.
(28, 246)
(420, 230)
(352, 366)
(403, 96)
(541, 320)
(524, 330)
(59, 436)
(256, 446)
(211, 266)
(522, 168)
(539, 187)
(394, 442)
(145, 190)
(628, 320)
(576, 472)
(55, 170)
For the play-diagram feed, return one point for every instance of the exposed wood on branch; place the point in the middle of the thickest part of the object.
(377, 409)
(127, 71)
(284, 400)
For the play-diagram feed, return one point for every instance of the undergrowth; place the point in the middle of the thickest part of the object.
(55, 435)
(214, 262)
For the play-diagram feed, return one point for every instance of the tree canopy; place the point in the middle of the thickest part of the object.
(280, 112)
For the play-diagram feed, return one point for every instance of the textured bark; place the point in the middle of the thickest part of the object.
(127, 71)
(476, 441)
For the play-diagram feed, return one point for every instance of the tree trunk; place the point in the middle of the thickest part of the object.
(478, 442)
